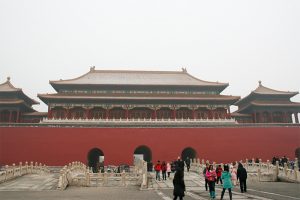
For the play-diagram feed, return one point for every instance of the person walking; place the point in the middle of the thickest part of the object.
(157, 169)
(179, 186)
(164, 170)
(233, 174)
(169, 169)
(188, 163)
(211, 177)
(242, 177)
(219, 173)
(227, 184)
(179, 164)
(204, 174)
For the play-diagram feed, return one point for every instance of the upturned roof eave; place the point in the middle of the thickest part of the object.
(293, 105)
(55, 83)
(19, 103)
(253, 94)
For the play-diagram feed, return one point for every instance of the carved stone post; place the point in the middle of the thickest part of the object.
(259, 174)
(276, 173)
(123, 178)
(285, 169)
(268, 165)
(20, 168)
(296, 169)
(87, 178)
(105, 179)
(296, 164)
(260, 163)
(14, 168)
(26, 167)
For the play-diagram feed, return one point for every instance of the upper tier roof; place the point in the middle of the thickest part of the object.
(127, 77)
(8, 87)
(262, 90)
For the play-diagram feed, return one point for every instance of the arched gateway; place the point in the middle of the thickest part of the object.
(188, 152)
(95, 159)
(297, 153)
(143, 152)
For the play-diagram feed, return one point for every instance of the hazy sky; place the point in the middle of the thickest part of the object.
(239, 42)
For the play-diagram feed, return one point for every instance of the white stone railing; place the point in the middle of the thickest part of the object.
(143, 120)
(78, 174)
(261, 171)
(14, 171)
(68, 171)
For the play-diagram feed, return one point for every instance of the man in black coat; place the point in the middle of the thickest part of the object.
(179, 164)
(188, 163)
(179, 185)
(242, 176)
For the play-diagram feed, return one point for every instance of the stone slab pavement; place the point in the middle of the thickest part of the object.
(31, 182)
(256, 190)
(37, 186)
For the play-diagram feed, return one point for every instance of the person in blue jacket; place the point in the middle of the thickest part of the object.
(227, 184)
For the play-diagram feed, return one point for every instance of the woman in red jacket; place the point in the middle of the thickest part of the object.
(157, 169)
(219, 173)
(211, 177)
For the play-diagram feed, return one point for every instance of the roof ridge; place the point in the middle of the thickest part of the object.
(93, 70)
(7, 82)
(260, 86)
(138, 71)
(216, 82)
(182, 73)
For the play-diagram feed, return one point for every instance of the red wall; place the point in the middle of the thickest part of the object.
(59, 146)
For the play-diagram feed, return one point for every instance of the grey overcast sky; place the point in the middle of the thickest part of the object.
(234, 41)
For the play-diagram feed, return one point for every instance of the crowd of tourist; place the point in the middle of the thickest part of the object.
(227, 177)
(283, 160)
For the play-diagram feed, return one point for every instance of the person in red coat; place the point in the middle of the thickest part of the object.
(157, 169)
(164, 170)
(219, 173)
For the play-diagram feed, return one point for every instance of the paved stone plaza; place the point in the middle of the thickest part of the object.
(44, 187)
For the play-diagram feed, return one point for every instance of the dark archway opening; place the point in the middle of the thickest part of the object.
(145, 151)
(297, 153)
(188, 152)
(95, 159)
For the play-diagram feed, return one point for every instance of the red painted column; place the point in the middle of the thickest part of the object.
(87, 113)
(193, 114)
(271, 117)
(18, 116)
(174, 113)
(106, 113)
(127, 113)
(10, 116)
(68, 114)
(49, 115)
(210, 114)
(155, 114)
(254, 117)
(285, 119)
(261, 117)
